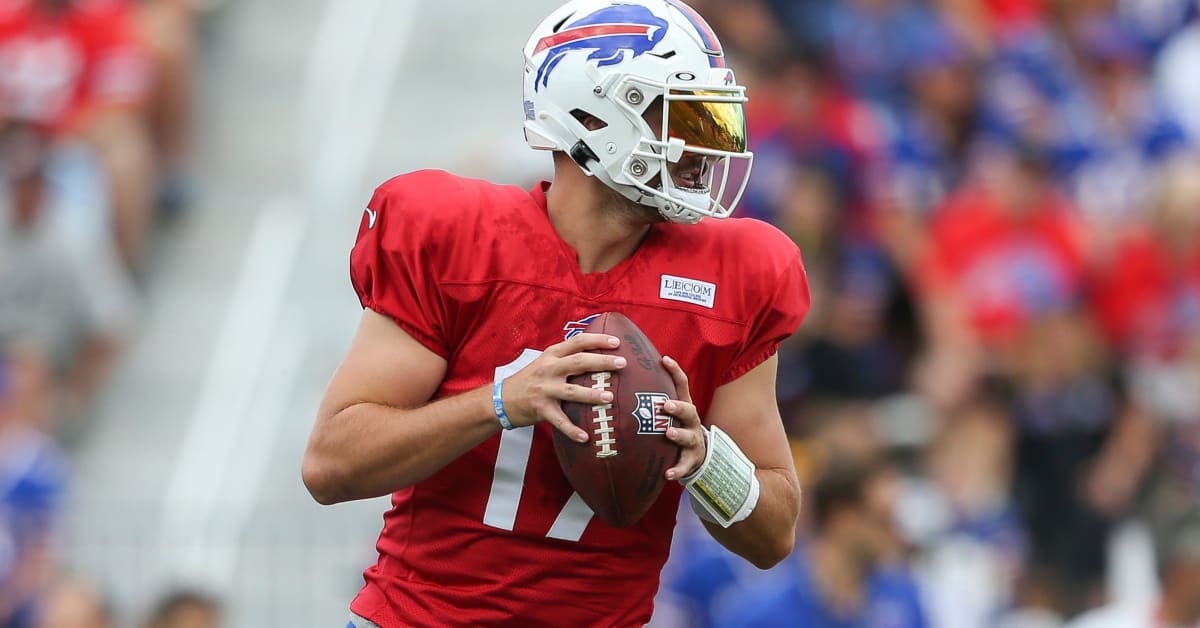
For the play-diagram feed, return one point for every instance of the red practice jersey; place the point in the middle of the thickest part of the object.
(476, 273)
(54, 66)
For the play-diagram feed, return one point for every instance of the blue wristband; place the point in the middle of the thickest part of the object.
(498, 403)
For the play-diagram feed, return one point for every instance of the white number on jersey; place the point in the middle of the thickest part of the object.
(508, 479)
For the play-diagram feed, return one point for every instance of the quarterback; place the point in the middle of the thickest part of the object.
(474, 299)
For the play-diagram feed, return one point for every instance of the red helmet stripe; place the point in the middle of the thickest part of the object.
(584, 32)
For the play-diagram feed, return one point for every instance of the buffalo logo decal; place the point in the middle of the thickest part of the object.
(608, 33)
(574, 328)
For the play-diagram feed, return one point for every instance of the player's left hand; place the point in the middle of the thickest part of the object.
(686, 430)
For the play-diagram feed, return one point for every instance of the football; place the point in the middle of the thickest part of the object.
(619, 471)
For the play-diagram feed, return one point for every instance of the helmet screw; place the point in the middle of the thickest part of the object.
(638, 167)
(611, 148)
(634, 96)
(597, 90)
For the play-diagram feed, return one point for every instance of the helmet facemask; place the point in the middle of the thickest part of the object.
(688, 175)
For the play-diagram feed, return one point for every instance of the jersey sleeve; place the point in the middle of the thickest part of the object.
(392, 266)
(785, 303)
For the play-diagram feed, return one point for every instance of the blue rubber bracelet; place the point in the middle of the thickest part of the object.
(498, 403)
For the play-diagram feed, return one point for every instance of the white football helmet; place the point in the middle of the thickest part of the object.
(612, 60)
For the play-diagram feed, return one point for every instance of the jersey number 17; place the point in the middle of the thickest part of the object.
(508, 480)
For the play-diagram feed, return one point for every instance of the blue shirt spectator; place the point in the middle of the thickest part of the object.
(852, 535)
(32, 480)
(1088, 102)
(891, 600)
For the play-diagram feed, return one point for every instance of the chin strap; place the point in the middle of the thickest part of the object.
(582, 155)
(724, 490)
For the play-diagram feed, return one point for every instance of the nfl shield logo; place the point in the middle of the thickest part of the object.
(649, 414)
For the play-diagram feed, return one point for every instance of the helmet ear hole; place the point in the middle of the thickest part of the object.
(589, 121)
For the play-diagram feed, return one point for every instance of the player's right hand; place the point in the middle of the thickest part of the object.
(536, 392)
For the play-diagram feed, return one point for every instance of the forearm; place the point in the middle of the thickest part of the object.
(366, 449)
(767, 536)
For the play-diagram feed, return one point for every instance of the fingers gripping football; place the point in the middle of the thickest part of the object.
(536, 392)
(688, 431)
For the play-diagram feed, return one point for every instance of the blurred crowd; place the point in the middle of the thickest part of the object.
(94, 111)
(998, 202)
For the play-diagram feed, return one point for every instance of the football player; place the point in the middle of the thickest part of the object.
(474, 295)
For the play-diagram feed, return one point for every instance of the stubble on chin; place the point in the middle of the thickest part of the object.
(625, 210)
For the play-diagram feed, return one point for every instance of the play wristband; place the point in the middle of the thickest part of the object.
(498, 403)
(724, 490)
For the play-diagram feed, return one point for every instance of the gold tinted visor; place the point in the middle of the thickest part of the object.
(707, 119)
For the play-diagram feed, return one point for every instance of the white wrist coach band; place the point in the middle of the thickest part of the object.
(724, 490)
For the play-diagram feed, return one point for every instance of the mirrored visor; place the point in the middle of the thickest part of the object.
(707, 123)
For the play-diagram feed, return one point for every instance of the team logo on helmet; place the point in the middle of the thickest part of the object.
(608, 33)
(649, 414)
(574, 328)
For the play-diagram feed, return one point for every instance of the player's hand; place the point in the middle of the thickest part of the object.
(686, 431)
(536, 392)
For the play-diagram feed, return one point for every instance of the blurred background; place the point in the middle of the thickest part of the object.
(994, 403)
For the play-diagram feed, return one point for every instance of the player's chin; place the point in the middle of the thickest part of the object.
(646, 213)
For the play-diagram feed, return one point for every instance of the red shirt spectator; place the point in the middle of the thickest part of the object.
(1148, 295)
(59, 59)
(1148, 299)
(1008, 260)
(1008, 14)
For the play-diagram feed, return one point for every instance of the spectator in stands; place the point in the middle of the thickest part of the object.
(1148, 300)
(186, 609)
(1176, 75)
(870, 40)
(32, 478)
(853, 350)
(1129, 131)
(63, 290)
(1004, 250)
(805, 128)
(1148, 294)
(1178, 604)
(1083, 449)
(168, 28)
(933, 135)
(1081, 89)
(985, 24)
(844, 575)
(74, 604)
(935, 131)
(973, 539)
(1155, 22)
(78, 71)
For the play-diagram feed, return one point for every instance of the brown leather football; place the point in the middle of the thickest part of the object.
(619, 471)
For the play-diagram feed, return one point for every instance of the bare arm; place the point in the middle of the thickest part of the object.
(746, 410)
(377, 432)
